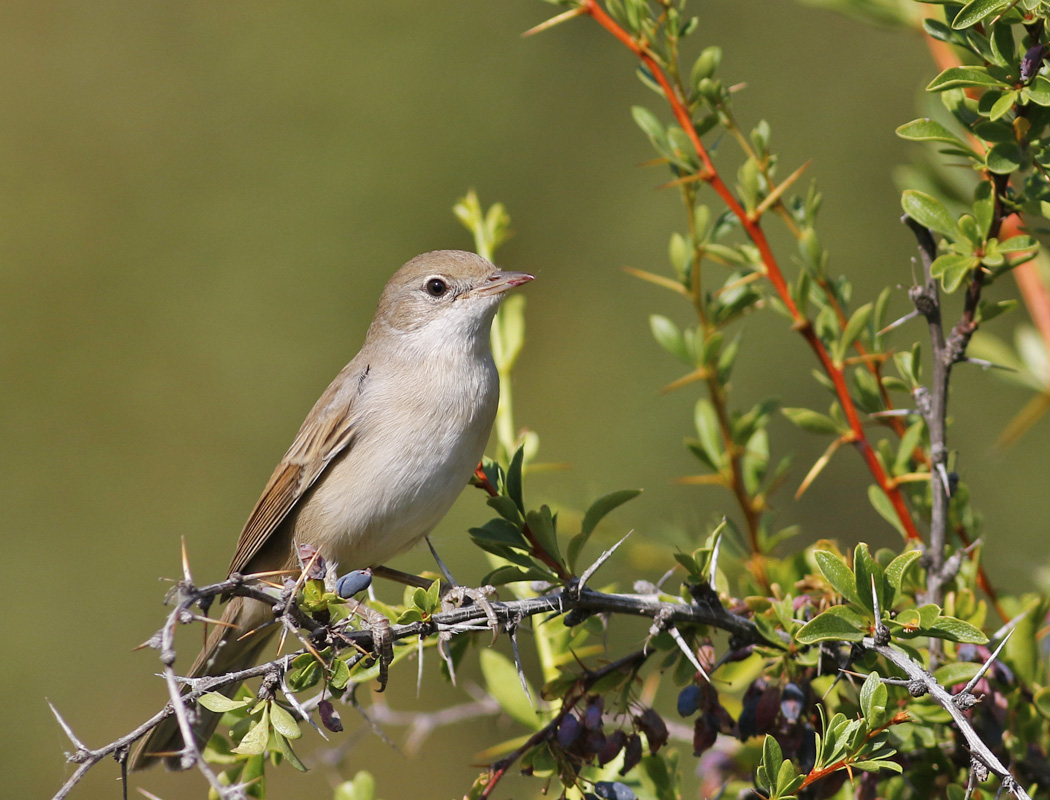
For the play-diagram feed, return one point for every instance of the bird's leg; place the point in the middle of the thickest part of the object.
(457, 595)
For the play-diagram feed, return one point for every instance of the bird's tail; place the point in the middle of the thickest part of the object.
(225, 651)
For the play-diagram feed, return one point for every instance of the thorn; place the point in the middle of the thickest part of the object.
(659, 280)
(701, 480)
(890, 681)
(943, 473)
(665, 576)
(893, 412)
(419, 669)
(513, 632)
(447, 658)
(987, 664)
(818, 467)
(280, 642)
(599, 561)
(186, 563)
(698, 177)
(986, 365)
(910, 315)
(1009, 626)
(206, 621)
(696, 375)
(881, 632)
(714, 553)
(66, 729)
(565, 16)
(685, 648)
(441, 564)
(294, 701)
(778, 190)
(270, 573)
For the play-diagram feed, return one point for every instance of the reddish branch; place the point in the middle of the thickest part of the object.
(772, 270)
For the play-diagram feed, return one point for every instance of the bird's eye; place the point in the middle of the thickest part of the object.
(435, 287)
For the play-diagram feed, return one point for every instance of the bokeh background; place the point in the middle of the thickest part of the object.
(199, 204)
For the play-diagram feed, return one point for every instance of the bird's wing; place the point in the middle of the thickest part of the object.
(327, 431)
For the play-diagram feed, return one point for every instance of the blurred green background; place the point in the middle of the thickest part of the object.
(199, 204)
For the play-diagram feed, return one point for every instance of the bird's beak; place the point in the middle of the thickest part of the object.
(501, 282)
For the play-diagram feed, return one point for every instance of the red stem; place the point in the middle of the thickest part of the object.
(772, 270)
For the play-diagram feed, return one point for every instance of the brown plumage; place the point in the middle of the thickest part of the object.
(379, 459)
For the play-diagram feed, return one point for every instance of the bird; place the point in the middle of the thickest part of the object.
(378, 461)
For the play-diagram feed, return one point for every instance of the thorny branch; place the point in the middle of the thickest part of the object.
(573, 598)
(581, 600)
(933, 405)
(922, 682)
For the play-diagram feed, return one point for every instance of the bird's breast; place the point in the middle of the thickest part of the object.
(418, 436)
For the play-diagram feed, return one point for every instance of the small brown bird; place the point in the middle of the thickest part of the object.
(379, 459)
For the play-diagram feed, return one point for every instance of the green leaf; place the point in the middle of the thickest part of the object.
(867, 569)
(1004, 158)
(928, 211)
(255, 740)
(838, 624)
(669, 337)
(604, 505)
(956, 672)
(1016, 244)
(989, 310)
(340, 674)
(928, 130)
(283, 722)
(599, 509)
(1041, 701)
(506, 508)
(541, 524)
(898, 568)
(977, 10)
(501, 531)
(836, 573)
(1038, 91)
(412, 615)
(1001, 107)
(952, 269)
(502, 682)
(875, 766)
(964, 77)
(362, 787)
(214, 701)
(907, 446)
(812, 421)
(957, 630)
(727, 358)
(284, 747)
(709, 432)
(873, 699)
(305, 671)
(984, 207)
(654, 129)
(514, 490)
(854, 328)
(772, 758)
(705, 65)
(881, 503)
